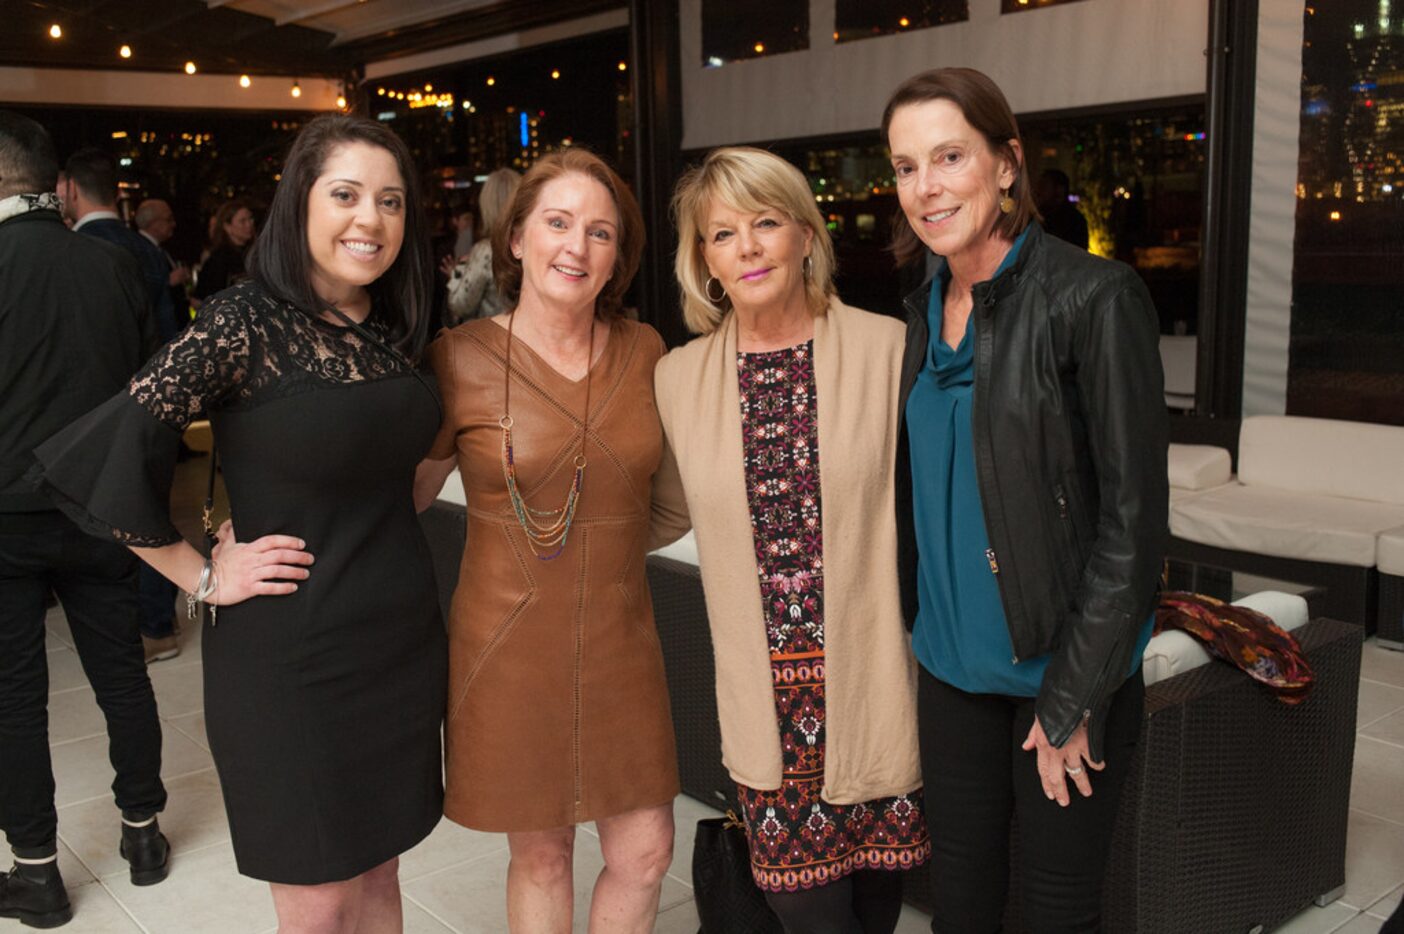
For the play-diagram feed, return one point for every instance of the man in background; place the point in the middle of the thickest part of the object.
(75, 324)
(1061, 217)
(156, 222)
(90, 198)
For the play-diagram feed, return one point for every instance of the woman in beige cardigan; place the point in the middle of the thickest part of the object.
(781, 425)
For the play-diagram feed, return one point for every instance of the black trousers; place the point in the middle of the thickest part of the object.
(976, 778)
(96, 583)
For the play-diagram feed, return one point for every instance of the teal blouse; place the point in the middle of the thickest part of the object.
(961, 635)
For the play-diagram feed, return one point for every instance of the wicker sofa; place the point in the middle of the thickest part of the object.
(1310, 500)
(1234, 814)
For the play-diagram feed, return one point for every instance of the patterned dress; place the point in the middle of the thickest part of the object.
(798, 840)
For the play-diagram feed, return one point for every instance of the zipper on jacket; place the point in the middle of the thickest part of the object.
(994, 562)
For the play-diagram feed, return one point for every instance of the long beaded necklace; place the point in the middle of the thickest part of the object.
(544, 528)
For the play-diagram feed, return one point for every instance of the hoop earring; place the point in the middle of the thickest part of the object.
(707, 290)
(808, 267)
(1006, 203)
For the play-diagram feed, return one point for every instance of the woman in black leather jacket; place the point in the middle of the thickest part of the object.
(1031, 501)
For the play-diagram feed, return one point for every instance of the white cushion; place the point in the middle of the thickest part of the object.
(684, 549)
(1198, 466)
(1326, 456)
(1174, 651)
(453, 490)
(1286, 525)
(1389, 554)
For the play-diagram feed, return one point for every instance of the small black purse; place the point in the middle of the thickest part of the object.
(728, 901)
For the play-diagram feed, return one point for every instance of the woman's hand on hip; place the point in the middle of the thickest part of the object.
(267, 566)
(1056, 766)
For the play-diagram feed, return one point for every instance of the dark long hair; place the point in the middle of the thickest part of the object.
(986, 109)
(281, 261)
(224, 215)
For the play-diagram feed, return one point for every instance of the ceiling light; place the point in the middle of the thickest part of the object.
(55, 31)
(190, 68)
(296, 90)
(244, 81)
(125, 51)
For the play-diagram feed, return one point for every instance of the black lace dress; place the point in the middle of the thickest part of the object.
(323, 707)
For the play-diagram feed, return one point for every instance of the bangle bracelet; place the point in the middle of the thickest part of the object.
(205, 586)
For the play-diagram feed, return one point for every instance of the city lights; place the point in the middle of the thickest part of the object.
(125, 51)
(55, 31)
(244, 81)
(190, 68)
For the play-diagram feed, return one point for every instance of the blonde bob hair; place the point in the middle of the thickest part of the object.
(750, 180)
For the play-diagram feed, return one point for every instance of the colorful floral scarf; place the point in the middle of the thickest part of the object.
(1242, 637)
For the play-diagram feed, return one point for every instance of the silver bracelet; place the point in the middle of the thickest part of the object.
(205, 586)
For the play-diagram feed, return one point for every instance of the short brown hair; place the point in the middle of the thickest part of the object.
(507, 269)
(985, 108)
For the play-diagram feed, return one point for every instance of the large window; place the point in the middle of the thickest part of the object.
(863, 19)
(1346, 355)
(733, 30)
(1136, 176)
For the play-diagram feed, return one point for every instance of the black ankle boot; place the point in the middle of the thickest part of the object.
(35, 895)
(146, 849)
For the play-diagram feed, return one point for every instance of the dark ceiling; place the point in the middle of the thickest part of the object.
(165, 34)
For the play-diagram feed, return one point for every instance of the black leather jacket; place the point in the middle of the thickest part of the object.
(1070, 434)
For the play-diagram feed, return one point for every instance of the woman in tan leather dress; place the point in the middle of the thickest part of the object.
(557, 706)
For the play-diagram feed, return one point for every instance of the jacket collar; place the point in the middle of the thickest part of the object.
(986, 293)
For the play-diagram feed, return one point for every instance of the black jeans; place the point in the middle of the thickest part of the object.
(96, 583)
(976, 777)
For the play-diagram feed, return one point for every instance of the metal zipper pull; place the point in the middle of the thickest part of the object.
(994, 563)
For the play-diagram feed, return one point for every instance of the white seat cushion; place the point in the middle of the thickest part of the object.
(1389, 553)
(1310, 527)
(1198, 466)
(1355, 460)
(1174, 651)
(453, 490)
(684, 549)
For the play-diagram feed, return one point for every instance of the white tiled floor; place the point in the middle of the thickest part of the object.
(453, 881)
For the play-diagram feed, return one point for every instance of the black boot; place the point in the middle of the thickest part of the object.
(35, 895)
(146, 849)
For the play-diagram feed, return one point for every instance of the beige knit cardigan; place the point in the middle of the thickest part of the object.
(870, 674)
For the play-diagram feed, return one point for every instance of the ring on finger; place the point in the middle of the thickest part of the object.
(1074, 771)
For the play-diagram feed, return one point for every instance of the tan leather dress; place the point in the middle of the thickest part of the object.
(557, 703)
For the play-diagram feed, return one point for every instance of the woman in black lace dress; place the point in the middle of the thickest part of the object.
(324, 680)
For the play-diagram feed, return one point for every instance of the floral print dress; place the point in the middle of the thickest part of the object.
(798, 840)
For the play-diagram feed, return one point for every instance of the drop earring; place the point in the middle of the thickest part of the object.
(1006, 203)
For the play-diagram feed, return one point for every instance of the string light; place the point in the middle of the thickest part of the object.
(623, 66)
(491, 81)
(555, 73)
(125, 51)
(55, 31)
(904, 22)
(190, 68)
(296, 90)
(759, 47)
(244, 81)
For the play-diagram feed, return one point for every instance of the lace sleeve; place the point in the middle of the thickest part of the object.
(111, 470)
(200, 367)
(469, 283)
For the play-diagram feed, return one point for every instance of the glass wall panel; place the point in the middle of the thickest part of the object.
(1346, 357)
(1136, 177)
(733, 30)
(863, 19)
